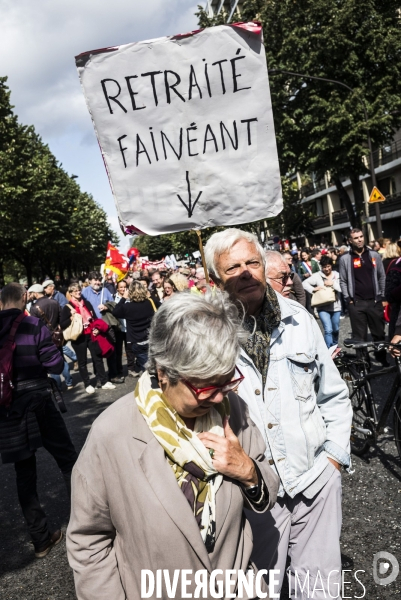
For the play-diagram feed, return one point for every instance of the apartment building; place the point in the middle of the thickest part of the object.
(227, 7)
(331, 223)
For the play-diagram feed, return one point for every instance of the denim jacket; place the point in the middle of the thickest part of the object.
(304, 413)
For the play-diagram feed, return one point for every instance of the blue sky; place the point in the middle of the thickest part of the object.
(38, 42)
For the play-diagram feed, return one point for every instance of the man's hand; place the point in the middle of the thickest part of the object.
(335, 353)
(335, 463)
(229, 457)
(385, 303)
(394, 351)
(102, 307)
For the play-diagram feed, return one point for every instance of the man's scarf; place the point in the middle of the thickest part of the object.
(261, 327)
(186, 454)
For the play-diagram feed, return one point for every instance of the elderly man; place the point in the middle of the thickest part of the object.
(51, 292)
(300, 404)
(282, 278)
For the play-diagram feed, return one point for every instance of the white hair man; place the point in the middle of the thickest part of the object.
(279, 265)
(278, 273)
(300, 404)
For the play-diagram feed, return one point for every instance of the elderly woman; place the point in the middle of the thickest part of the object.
(163, 478)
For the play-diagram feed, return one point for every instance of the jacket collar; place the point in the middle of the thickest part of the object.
(288, 308)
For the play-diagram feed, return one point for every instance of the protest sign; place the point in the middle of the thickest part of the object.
(186, 129)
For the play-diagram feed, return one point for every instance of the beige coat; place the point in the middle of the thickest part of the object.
(129, 514)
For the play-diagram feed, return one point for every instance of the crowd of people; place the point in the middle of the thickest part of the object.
(233, 387)
(359, 280)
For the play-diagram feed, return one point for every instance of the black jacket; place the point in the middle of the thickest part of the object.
(51, 309)
(65, 317)
(138, 316)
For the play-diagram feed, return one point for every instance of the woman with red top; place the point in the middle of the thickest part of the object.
(84, 341)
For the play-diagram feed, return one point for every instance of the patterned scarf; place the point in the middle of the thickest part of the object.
(261, 327)
(186, 454)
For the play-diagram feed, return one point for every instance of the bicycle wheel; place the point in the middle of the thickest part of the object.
(360, 441)
(397, 423)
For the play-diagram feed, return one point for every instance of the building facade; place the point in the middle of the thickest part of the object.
(331, 223)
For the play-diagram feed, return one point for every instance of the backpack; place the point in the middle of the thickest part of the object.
(6, 364)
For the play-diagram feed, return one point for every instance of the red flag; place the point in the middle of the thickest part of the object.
(116, 261)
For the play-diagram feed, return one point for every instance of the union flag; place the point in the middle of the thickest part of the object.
(116, 261)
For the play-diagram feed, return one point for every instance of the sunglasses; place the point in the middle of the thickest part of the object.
(283, 280)
(207, 392)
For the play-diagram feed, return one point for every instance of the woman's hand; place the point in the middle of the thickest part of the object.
(95, 332)
(73, 311)
(229, 457)
(125, 294)
(317, 288)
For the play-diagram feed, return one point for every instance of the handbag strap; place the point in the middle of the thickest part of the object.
(42, 314)
(153, 304)
(388, 268)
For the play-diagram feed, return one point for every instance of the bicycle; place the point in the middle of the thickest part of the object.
(367, 425)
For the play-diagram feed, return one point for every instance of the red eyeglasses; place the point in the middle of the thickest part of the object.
(208, 392)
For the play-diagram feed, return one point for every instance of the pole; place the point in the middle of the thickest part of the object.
(373, 175)
(365, 112)
(198, 233)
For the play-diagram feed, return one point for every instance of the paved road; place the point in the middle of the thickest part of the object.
(371, 501)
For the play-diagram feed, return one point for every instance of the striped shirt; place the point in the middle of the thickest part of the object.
(35, 354)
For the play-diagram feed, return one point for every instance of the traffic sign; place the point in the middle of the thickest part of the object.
(376, 196)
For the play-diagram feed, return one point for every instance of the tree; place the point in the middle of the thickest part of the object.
(295, 220)
(320, 126)
(46, 223)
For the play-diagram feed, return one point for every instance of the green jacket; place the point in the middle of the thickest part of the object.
(303, 270)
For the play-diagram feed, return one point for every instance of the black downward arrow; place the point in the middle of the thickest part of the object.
(190, 207)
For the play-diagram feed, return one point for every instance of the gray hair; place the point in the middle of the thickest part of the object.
(195, 337)
(222, 241)
(274, 258)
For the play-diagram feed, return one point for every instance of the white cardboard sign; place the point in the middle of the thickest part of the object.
(186, 129)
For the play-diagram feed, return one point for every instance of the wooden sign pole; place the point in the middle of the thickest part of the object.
(198, 233)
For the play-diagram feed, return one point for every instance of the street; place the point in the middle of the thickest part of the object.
(371, 510)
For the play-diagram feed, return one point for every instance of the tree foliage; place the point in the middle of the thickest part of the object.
(320, 126)
(47, 224)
